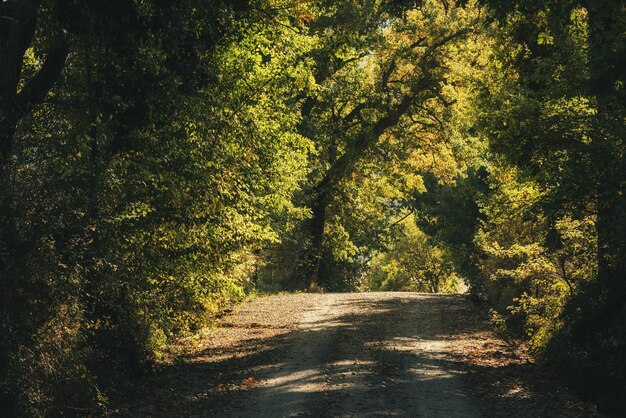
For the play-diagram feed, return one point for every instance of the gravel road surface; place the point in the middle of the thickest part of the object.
(354, 355)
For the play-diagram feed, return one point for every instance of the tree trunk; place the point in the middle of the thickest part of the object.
(18, 22)
(16, 31)
(17, 28)
(317, 226)
(340, 168)
(607, 50)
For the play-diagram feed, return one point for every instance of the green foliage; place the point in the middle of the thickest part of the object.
(139, 197)
(532, 268)
(160, 160)
(411, 261)
(553, 235)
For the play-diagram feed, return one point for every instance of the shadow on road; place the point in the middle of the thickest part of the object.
(354, 355)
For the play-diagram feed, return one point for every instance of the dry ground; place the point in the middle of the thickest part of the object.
(354, 355)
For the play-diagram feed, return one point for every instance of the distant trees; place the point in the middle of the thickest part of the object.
(410, 260)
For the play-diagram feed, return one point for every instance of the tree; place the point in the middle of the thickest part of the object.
(561, 121)
(404, 73)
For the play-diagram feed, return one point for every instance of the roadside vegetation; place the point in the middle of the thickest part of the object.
(161, 160)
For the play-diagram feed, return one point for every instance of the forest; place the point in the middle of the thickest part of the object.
(161, 161)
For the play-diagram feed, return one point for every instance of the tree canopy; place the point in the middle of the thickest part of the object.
(162, 160)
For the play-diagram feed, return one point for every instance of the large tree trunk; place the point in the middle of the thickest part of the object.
(317, 226)
(17, 28)
(18, 21)
(599, 311)
(607, 49)
(338, 170)
(16, 31)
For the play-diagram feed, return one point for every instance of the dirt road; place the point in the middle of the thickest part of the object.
(355, 355)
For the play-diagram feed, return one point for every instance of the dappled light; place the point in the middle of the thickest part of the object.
(367, 355)
(166, 164)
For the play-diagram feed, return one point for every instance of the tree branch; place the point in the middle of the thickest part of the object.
(385, 77)
(37, 89)
(400, 220)
(353, 113)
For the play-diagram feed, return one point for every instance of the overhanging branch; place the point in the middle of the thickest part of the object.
(38, 87)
